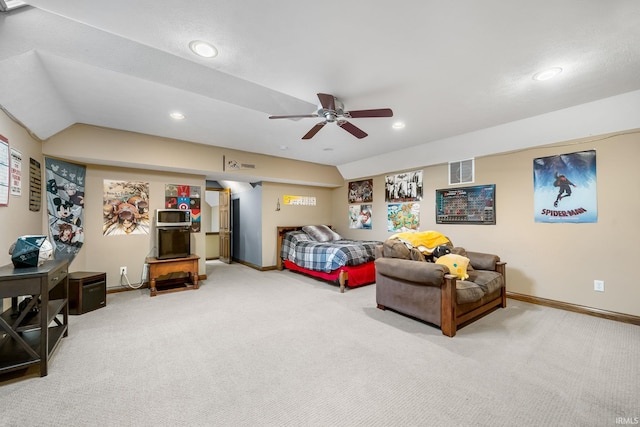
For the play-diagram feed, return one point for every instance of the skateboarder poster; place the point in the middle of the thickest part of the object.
(565, 188)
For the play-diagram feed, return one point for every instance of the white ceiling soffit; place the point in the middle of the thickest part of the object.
(457, 73)
(29, 94)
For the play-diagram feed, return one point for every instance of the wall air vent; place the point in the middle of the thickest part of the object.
(462, 172)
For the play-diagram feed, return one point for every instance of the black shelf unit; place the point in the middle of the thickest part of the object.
(31, 340)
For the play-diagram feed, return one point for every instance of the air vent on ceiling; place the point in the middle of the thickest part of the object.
(461, 172)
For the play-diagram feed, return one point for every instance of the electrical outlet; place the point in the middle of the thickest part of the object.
(123, 271)
(598, 285)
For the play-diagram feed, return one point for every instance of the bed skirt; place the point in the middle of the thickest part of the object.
(351, 276)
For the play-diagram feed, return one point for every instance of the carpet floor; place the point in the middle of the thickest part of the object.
(275, 348)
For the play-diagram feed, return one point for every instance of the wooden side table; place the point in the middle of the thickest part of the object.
(162, 267)
(26, 338)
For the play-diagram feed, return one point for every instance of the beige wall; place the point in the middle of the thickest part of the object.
(553, 261)
(143, 155)
(90, 144)
(290, 215)
(109, 253)
(16, 218)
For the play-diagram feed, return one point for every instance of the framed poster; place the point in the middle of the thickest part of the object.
(466, 205)
(361, 191)
(360, 216)
(565, 188)
(403, 187)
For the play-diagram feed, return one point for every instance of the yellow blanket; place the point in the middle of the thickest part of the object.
(425, 241)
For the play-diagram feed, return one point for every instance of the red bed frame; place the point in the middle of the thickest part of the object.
(351, 276)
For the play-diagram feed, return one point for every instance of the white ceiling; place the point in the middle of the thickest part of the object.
(446, 68)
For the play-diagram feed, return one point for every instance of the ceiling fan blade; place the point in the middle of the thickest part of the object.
(380, 112)
(352, 129)
(314, 130)
(327, 101)
(299, 116)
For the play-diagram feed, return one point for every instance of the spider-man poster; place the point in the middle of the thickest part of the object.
(185, 197)
(565, 188)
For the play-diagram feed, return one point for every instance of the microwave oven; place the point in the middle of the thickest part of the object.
(173, 218)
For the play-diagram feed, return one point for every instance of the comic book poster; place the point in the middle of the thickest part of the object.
(361, 191)
(125, 208)
(403, 217)
(65, 206)
(185, 197)
(403, 187)
(565, 188)
(360, 217)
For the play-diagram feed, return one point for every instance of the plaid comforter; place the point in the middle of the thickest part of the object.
(299, 248)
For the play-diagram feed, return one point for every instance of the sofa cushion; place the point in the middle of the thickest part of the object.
(416, 255)
(489, 281)
(483, 261)
(394, 248)
(457, 265)
(467, 292)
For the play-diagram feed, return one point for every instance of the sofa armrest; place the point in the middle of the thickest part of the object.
(424, 273)
(483, 261)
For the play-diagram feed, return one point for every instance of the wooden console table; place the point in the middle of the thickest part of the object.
(29, 337)
(162, 267)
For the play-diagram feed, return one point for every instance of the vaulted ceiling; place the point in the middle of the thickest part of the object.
(445, 68)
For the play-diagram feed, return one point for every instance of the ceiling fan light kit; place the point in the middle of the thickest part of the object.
(332, 110)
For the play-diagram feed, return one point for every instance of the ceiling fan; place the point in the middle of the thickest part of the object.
(332, 110)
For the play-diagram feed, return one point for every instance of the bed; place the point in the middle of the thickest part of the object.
(319, 252)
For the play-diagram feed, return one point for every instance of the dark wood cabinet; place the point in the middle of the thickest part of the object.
(29, 337)
(87, 291)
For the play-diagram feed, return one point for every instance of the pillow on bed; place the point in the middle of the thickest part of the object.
(321, 233)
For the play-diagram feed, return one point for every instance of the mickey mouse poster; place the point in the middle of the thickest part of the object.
(65, 206)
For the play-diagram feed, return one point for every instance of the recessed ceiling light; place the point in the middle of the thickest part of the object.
(327, 149)
(547, 74)
(177, 115)
(203, 49)
(398, 125)
(284, 147)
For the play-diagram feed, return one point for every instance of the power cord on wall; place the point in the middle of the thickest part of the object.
(134, 285)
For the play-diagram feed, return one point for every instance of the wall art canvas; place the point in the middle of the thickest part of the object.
(360, 216)
(65, 206)
(125, 208)
(361, 191)
(185, 197)
(403, 217)
(565, 188)
(403, 187)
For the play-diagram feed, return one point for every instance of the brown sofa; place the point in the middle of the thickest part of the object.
(426, 291)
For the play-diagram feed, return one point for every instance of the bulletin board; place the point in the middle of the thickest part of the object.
(466, 205)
